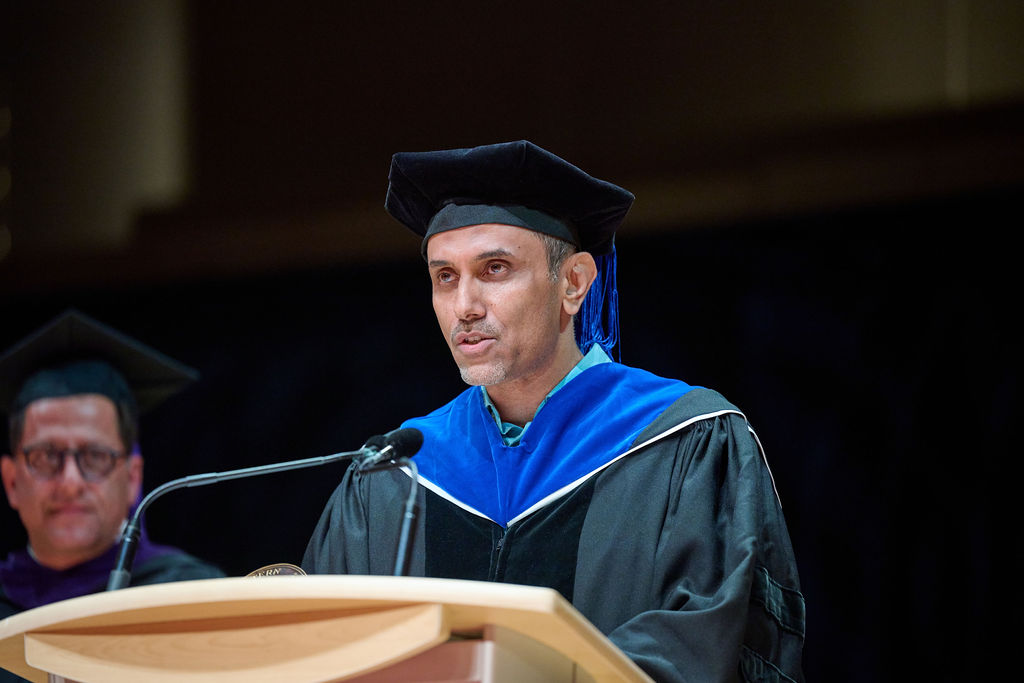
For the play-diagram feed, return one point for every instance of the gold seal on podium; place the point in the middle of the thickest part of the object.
(278, 569)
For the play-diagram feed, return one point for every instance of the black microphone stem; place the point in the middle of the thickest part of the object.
(404, 548)
(121, 574)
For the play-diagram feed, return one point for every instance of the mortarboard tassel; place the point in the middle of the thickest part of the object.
(598, 322)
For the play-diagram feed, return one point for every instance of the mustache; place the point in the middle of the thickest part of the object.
(484, 328)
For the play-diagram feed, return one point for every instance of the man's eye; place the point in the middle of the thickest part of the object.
(495, 268)
(52, 456)
(445, 276)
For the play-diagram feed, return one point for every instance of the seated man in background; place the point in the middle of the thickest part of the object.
(645, 501)
(73, 392)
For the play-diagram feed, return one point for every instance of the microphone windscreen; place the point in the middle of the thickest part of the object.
(406, 442)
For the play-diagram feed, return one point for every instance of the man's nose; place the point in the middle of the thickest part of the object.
(468, 303)
(69, 473)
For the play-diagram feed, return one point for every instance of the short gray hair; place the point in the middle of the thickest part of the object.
(557, 250)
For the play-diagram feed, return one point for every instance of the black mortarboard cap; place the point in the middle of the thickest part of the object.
(75, 354)
(514, 183)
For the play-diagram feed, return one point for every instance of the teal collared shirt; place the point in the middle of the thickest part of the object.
(512, 433)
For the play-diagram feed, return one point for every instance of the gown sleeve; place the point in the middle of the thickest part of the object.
(724, 584)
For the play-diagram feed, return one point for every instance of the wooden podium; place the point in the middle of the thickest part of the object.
(313, 628)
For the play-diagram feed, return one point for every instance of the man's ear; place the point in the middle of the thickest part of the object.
(134, 476)
(579, 273)
(7, 473)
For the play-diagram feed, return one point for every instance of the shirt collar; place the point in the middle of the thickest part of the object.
(512, 433)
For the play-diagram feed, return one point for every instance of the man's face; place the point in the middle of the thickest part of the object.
(68, 519)
(495, 302)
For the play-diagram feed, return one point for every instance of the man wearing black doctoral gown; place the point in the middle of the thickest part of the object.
(646, 502)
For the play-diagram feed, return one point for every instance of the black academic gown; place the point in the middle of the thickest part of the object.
(163, 568)
(678, 552)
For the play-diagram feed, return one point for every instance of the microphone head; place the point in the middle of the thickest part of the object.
(405, 442)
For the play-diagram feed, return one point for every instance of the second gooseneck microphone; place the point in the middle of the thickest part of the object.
(384, 451)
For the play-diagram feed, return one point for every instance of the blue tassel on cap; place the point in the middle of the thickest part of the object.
(598, 320)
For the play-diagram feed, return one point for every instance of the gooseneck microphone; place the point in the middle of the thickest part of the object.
(400, 445)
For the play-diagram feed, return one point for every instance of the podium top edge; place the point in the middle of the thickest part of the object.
(328, 592)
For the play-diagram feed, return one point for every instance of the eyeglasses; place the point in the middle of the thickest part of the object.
(94, 462)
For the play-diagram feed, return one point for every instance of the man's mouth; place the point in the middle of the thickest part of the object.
(69, 509)
(471, 336)
(472, 343)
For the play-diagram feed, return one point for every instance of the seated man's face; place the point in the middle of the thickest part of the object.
(70, 519)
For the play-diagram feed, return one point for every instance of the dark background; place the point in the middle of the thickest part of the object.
(827, 205)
